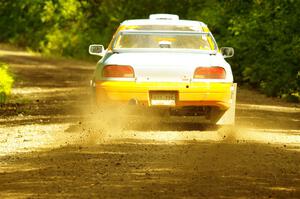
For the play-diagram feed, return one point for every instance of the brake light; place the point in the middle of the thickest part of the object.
(210, 73)
(118, 71)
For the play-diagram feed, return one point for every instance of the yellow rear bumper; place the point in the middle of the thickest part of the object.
(188, 94)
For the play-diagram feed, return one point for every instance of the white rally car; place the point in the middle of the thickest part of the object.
(168, 63)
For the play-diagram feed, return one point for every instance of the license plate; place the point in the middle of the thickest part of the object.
(163, 98)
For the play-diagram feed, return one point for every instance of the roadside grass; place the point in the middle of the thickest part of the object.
(6, 82)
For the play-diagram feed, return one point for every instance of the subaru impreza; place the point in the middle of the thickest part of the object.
(166, 63)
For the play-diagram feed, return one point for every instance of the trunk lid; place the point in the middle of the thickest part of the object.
(164, 67)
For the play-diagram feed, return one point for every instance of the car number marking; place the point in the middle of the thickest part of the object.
(163, 98)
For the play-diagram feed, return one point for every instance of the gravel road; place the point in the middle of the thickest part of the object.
(53, 145)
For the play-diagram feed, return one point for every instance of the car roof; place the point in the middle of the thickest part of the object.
(163, 19)
(162, 22)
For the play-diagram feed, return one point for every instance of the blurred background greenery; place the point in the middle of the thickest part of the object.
(264, 33)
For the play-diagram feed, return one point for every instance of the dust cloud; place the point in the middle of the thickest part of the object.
(123, 123)
(99, 125)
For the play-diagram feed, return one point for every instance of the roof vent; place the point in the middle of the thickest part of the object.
(163, 17)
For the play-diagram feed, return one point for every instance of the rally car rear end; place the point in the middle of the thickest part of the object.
(166, 69)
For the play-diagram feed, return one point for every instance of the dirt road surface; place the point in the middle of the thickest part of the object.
(52, 144)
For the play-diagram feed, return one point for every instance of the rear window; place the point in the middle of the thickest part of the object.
(163, 39)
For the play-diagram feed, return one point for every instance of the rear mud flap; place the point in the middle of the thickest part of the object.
(227, 117)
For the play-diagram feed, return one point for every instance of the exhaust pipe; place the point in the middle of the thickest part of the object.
(133, 102)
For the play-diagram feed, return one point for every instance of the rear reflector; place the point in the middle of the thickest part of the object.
(210, 73)
(116, 71)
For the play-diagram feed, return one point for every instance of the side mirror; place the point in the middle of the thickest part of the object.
(96, 49)
(227, 52)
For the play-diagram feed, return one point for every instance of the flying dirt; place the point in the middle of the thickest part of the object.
(54, 144)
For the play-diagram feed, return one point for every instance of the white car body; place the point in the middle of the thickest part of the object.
(169, 67)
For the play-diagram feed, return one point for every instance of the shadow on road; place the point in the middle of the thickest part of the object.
(141, 170)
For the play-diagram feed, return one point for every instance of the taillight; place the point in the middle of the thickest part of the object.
(210, 73)
(118, 71)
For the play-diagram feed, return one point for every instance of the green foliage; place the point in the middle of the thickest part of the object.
(266, 39)
(265, 34)
(6, 82)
